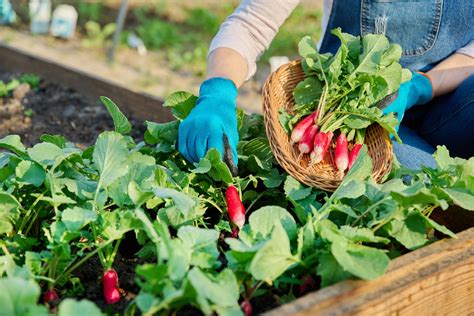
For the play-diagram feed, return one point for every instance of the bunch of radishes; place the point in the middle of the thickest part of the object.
(315, 142)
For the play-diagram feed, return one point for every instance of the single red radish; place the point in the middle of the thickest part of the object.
(50, 295)
(307, 285)
(322, 141)
(246, 307)
(302, 126)
(110, 286)
(341, 154)
(235, 207)
(354, 154)
(306, 144)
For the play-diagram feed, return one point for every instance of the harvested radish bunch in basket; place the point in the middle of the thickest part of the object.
(341, 96)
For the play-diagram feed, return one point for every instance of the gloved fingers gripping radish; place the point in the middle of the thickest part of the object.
(302, 126)
(110, 286)
(306, 144)
(235, 207)
(322, 141)
(341, 154)
(354, 154)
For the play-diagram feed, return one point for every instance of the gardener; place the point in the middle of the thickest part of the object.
(437, 38)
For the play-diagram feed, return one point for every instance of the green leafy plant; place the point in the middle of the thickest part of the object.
(97, 36)
(61, 206)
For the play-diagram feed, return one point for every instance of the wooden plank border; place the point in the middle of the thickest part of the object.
(143, 106)
(435, 280)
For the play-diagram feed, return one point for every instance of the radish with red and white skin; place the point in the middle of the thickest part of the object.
(235, 207)
(305, 146)
(302, 126)
(246, 307)
(110, 287)
(322, 141)
(341, 153)
(354, 154)
(50, 295)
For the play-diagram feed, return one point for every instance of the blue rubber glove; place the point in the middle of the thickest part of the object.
(213, 117)
(7, 14)
(418, 90)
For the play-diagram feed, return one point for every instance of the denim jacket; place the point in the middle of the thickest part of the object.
(428, 30)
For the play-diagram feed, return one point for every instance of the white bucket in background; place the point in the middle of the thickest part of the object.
(63, 23)
(40, 14)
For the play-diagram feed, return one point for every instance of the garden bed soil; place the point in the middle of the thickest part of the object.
(54, 109)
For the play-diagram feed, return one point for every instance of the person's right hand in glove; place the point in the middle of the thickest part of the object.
(213, 117)
(215, 113)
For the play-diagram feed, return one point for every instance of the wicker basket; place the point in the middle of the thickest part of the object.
(278, 93)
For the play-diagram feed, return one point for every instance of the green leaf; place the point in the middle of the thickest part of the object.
(71, 307)
(307, 47)
(203, 166)
(265, 219)
(362, 234)
(295, 190)
(121, 123)
(28, 172)
(110, 153)
(76, 218)
(373, 48)
(57, 140)
(181, 104)
(115, 224)
(460, 197)
(19, 297)
(361, 170)
(350, 189)
(219, 170)
(274, 258)
(202, 244)
(45, 153)
(363, 262)
(439, 227)
(410, 232)
(329, 270)
(221, 289)
(272, 179)
(184, 203)
(9, 211)
(13, 144)
(163, 134)
(308, 91)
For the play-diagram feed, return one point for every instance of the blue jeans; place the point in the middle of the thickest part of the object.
(447, 120)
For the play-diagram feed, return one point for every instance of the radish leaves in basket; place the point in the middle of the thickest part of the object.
(346, 87)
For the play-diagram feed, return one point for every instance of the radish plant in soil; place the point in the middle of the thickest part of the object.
(207, 240)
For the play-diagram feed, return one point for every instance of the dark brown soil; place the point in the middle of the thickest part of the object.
(54, 109)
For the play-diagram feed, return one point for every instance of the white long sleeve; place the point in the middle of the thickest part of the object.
(254, 24)
(252, 27)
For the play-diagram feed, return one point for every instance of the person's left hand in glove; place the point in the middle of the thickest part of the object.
(418, 90)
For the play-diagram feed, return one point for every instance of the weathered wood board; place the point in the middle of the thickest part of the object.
(435, 280)
(142, 105)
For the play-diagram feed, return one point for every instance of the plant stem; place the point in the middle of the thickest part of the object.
(65, 273)
(25, 218)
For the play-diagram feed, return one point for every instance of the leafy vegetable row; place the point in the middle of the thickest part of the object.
(61, 206)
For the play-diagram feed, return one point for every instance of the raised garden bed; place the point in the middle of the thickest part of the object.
(438, 278)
